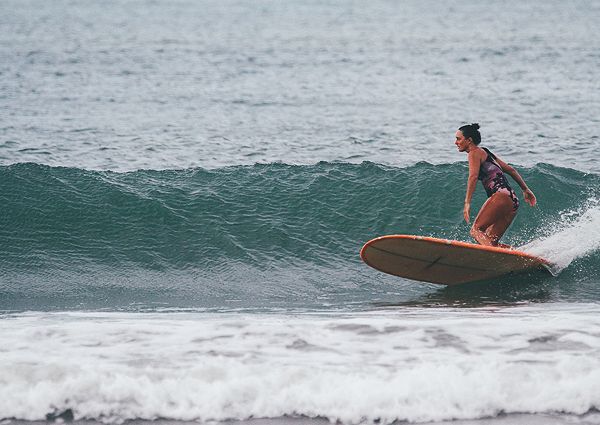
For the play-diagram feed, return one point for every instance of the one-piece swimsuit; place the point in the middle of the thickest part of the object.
(494, 180)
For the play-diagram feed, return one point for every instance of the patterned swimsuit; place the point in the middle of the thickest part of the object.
(494, 180)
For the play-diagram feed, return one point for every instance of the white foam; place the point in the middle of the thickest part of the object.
(413, 365)
(575, 234)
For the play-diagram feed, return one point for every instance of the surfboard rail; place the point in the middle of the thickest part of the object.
(444, 261)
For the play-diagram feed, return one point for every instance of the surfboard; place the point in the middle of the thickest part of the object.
(443, 261)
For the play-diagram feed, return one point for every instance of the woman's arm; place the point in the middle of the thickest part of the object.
(474, 164)
(527, 193)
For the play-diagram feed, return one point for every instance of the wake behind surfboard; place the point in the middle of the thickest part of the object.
(445, 262)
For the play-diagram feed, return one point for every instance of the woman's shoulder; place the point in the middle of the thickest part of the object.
(480, 153)
(488, 152)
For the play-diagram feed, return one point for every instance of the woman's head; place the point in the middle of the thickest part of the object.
(471, 131)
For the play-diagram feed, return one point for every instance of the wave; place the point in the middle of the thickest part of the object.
(248, 225)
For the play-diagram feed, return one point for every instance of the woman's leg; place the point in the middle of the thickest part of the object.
(493, 219)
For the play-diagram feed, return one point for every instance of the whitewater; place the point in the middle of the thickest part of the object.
(373, 367)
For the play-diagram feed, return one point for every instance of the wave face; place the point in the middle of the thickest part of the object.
(270, 234)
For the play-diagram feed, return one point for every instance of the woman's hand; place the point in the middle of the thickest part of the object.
(529, 197)
(467, 211)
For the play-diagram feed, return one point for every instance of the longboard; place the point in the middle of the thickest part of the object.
(443, 261)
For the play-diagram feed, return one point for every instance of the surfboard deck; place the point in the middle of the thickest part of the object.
(444, 261)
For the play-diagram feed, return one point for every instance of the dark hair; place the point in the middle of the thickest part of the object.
(471, 131)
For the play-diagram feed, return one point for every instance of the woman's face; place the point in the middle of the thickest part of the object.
(461, 143)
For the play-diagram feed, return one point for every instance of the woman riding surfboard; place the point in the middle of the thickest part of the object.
(498, 212)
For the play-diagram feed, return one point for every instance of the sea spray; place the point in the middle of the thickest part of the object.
(574, 234)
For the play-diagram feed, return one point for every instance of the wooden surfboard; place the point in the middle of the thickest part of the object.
(443, 261)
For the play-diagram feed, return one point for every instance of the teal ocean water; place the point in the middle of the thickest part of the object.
(270, 235)
(185, 187)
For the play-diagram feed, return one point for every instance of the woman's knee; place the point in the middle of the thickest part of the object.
(476, 229)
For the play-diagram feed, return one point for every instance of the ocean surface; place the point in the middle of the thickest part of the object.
(185, 187)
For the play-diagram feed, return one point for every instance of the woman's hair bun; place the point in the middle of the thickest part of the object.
(471, 131)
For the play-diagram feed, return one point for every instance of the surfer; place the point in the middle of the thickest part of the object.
(498, 212)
